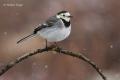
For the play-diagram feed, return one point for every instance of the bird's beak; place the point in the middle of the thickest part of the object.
(70, 16)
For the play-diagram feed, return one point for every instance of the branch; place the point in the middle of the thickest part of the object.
(51, 48)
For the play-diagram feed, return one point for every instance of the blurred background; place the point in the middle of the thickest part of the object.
(95, 33)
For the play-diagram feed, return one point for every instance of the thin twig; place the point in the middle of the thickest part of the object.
(51, 48)
(21, 58)
(84, 58)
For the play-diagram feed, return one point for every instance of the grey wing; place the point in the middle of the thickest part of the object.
(49, 23)
(52, 21)
(55, 22)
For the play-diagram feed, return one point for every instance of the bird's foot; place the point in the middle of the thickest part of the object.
(57, 46)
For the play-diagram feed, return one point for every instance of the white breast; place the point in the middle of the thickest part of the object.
(55, 34)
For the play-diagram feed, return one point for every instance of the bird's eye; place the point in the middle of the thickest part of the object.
(63, 15)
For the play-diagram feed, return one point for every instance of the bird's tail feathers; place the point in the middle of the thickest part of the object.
(25, 38)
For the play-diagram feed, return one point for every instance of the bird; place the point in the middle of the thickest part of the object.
(55, 29)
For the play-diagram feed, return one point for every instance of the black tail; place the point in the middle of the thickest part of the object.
(25, 38)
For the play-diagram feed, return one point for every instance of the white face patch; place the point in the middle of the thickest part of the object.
(67, 14)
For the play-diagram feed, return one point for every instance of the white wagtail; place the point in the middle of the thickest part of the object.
(56, 28)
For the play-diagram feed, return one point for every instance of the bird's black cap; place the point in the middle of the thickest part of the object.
(62, 12)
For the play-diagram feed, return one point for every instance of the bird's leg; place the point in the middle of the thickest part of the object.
(46, 44)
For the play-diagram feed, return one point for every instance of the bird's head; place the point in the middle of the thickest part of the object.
(65, 15)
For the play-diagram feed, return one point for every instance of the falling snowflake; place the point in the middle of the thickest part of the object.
(84, 49)
(111, 46)
(34, 64)
(17, 13)
(5, 33)
(46, 66)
